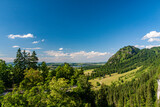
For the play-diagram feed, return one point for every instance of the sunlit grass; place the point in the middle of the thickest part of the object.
(115, 77)
(88, 72)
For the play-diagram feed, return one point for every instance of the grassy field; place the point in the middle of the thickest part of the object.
(88, 72)
(115, 77)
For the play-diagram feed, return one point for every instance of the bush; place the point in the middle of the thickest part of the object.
(1, 86)
(98, 84)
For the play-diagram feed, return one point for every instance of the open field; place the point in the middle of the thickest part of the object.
(115, 77)
(88, 72)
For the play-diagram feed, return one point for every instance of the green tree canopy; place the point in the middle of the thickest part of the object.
(32, 78)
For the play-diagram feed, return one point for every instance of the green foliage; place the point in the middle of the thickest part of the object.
(6, 73)
(65, 71)
(35, 92)
(1, 86)
(135, 93)
(23, 61)
(32, 78)
(51, 74)
(58, 96)
(150, 94)
(19, 61)
(98, 84)
(45, 70)
(14, 99)
(83, 90)
(36, 96)
(33, 60)
(100, 99)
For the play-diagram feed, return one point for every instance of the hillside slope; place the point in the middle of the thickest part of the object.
(126, 59)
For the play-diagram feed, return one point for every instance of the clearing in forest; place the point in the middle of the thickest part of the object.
(88, 72)
(115, 77)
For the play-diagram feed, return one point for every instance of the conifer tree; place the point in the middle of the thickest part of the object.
(33, 60)
(19, 60)
(150, 94)
(25, 59)
(44, 69)
(19, 67)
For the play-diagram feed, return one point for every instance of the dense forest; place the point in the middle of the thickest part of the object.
(36, 85)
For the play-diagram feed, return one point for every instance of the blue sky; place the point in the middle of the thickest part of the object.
(77, 30)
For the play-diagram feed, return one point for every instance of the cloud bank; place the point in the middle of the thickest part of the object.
(7, 59)
(12, 36)
(37, 48)
(147, 46)
(152, 36)
(81, 56)
(139, 46)
(151, 46)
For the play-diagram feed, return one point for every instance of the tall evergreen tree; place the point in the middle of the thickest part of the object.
(150, 94)
(33, 60)
(25, 59)
(28, 60)
(19, 61)
(19, 67)
(45, 70)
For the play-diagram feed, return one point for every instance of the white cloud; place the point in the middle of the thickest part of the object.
(7, 59)
(42, 40)
(60, 49)
(15, 46)
(139, 46)
(151, 34)
(81, 56)
(54, 59)
(29, 35)
(27, 51)
(151, 46)
(87, 54)
(37, 48)
(56, 53)
(35, 42)
(153, 39)
(148, 46)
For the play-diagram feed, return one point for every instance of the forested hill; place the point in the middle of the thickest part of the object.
(126, 59)
(123, 53)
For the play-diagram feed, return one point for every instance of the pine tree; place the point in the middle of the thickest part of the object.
(19, 61)
(28, 60)
(150, 94)
(25, 59)
(33, 60)
(44, 69)
(18, 68)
